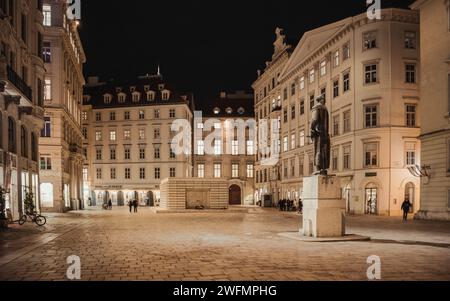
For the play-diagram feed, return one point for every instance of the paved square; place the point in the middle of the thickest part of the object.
(240, 244)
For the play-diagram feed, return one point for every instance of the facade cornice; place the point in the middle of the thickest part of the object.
(388, 15)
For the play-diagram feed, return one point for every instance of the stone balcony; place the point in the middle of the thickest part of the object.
(14, 84)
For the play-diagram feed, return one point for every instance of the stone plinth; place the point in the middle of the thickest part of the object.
(182, 194)
(323, 207)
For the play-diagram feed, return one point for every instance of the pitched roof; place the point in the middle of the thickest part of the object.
(94, 94)
(230, 105)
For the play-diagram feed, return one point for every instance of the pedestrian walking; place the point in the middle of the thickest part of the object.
(135, 205)
(130, 204)
(406, 207)
(110, 204)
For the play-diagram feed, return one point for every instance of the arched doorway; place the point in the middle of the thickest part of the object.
(371, 202)
(410, 190)
(235, 195)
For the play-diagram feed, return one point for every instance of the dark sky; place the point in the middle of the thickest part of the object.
(202, 46)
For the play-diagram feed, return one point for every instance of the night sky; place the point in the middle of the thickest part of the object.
(202, 46)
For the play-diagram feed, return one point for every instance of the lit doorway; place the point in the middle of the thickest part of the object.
(410, 190)
(371, 199)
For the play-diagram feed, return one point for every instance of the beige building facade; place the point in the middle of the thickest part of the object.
(368, 71)
(268, 106)
(61, 156)
(127, 140)
(435, 96)
(229, 158)
(21, 100)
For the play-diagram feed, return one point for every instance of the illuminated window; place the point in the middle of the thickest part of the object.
(336, 58)
(323, 68)
(235, 148)
(98, 136)
(126, 135)
(141, 134)
(250, 171)
(200, 148)
(217, 147)
(47, 11)
(217, 170)
(235, 171)
(112, 136)
(410, 40)
(312, 75)
(369, 40)
(371, 154)
(201, 170)
(47, 89)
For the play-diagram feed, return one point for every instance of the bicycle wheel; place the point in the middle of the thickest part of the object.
(40, 220)
(23, 220)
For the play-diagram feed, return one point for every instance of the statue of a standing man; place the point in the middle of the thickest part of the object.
(321, 137)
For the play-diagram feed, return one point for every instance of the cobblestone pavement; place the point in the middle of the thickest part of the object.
(239, 244)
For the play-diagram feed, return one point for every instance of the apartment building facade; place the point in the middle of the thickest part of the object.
(21, 100)
(268, 98)
(60, 145)
(435, 95)
(368, 71)
(228, 158)
(127, 139)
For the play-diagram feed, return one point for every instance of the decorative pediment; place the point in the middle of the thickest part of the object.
(311, 42)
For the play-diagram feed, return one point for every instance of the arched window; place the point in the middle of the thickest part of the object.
(24, 141)
(12, 135)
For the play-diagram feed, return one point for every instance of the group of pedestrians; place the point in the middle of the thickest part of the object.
(134, 204)
(289, 205)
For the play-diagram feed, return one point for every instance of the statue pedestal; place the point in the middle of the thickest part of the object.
(323, 207)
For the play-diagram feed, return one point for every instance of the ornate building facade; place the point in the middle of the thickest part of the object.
(229, 158)
(61, 156)
(368, 72)
(21, 100)
(435, 95)
(127, 139)
(268, 106)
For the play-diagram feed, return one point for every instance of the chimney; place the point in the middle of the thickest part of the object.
(93, 80)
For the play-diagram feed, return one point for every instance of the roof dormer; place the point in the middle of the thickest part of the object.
(151, 95)
(107, 98)
(122, 97)
(165, 94)
(136, 96)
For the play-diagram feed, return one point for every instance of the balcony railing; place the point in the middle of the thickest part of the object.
(20, 84)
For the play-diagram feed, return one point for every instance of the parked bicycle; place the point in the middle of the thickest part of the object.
(33, 217)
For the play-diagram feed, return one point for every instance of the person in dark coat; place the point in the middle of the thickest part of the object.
(110, 204)
(300, 206)
(406, 207)
(130, 204)
(135, 205)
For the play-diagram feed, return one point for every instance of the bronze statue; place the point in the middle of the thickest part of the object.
(321, 137)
